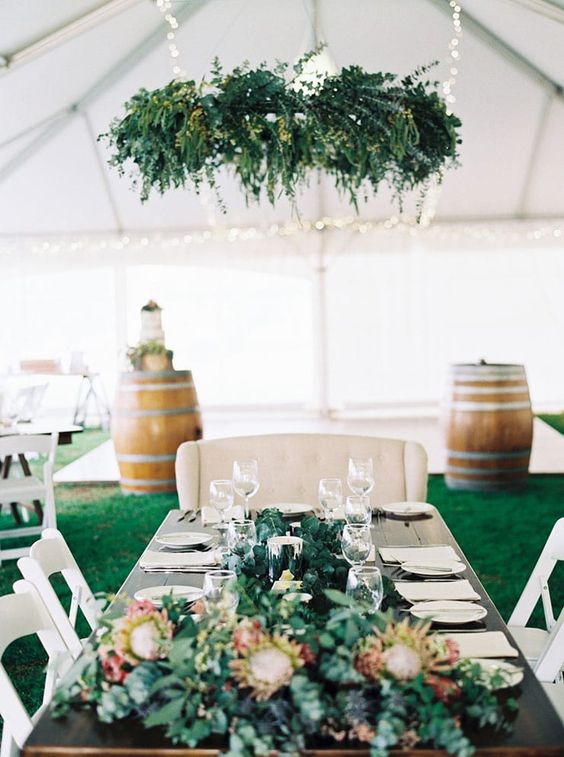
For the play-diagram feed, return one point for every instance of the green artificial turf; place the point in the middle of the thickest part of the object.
(501, 534)
(556, 420)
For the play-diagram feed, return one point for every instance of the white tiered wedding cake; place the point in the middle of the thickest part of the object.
(151, 324)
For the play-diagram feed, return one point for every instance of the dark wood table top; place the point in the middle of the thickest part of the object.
(537, 729)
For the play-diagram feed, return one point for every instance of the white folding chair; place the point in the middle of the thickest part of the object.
(51, 555)
(534, 642)
(24, 613)
(28, 488)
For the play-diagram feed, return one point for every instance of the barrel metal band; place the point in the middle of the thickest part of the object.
(484, 375)
(486, 471)
(156, 387)
(147, 481)
(145, 458)
(488, 390)
(149, 413)
(485, 407)
(487, 455)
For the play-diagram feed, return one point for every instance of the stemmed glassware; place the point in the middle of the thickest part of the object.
(356, 543)
(246, 480)
(357, 510)
(330, 496)
(364, 584)
(222, 498)
(360, 477)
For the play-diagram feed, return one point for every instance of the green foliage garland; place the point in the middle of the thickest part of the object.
(360, 128)
(280, 674)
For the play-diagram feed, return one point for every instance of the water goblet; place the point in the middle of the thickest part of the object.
(242, 537)
(220, 591)
(221, 498)
(360, 477)
(364, 585)
(357, 510)
(246, 480)
(356, 543)
(330, 496)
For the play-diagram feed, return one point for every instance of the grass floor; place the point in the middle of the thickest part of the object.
(501, 535)
(556, 420)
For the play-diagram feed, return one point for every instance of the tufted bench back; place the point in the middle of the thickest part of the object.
(290, 466)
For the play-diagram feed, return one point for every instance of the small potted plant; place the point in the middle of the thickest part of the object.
(150, 356)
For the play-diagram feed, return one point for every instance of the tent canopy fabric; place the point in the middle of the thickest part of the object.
(67, 68)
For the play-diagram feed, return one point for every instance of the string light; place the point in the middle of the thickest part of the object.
(454, 54)
(510, 233)
(165, 8)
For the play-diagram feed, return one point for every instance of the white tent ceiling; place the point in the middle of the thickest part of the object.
(58, 92)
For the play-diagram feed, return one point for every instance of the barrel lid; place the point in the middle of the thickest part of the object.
(135, 375)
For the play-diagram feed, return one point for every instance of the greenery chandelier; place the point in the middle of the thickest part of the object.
(272, 132)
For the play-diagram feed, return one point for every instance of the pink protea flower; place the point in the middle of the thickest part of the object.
(453, 651)
(402, 662)
(370, 661)
(247, 633)
(267, 666)
(143, 633)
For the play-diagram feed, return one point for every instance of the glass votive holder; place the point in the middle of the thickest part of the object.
(284, 553)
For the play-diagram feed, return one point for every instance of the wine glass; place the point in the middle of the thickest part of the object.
(221, 498)
(356, 543)
(245, 480)
(360, 477)
(364, 585)
(242, 537)
(357, 510)
(330, 496)
(220, 591)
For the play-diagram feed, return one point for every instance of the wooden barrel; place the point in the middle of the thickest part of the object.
(489, 427)
(154, 412)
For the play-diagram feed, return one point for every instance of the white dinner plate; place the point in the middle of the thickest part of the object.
(512, 675)
(155, 594)
(436, 568)
(291, 509)
(408, 509)
(183, 539)
(448, 611)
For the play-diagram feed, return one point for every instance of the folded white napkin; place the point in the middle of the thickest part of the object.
(418, 555)
(486, 644)
(152, 559)
(418, 591)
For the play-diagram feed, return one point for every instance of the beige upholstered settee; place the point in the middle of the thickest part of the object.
(290, 466)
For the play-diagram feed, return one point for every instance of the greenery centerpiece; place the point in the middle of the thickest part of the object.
(151, 355)
(280, 673)
(272, 131)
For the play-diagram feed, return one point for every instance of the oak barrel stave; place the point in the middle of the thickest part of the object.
(489, 427)
(155, 411)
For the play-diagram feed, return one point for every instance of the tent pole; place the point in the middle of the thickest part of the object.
(103, 173)
(535, 150)
(64, 34)
(321, 353)
(122, 67)
(500, 46)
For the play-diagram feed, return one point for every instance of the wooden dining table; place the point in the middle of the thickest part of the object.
(536, 727)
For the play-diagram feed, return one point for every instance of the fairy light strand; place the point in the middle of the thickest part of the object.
(165, 7)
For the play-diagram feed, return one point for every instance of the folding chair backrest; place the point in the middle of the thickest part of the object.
(47, 557)
(551, 660)
(537, 585)
(19, 444)
(24, 613)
